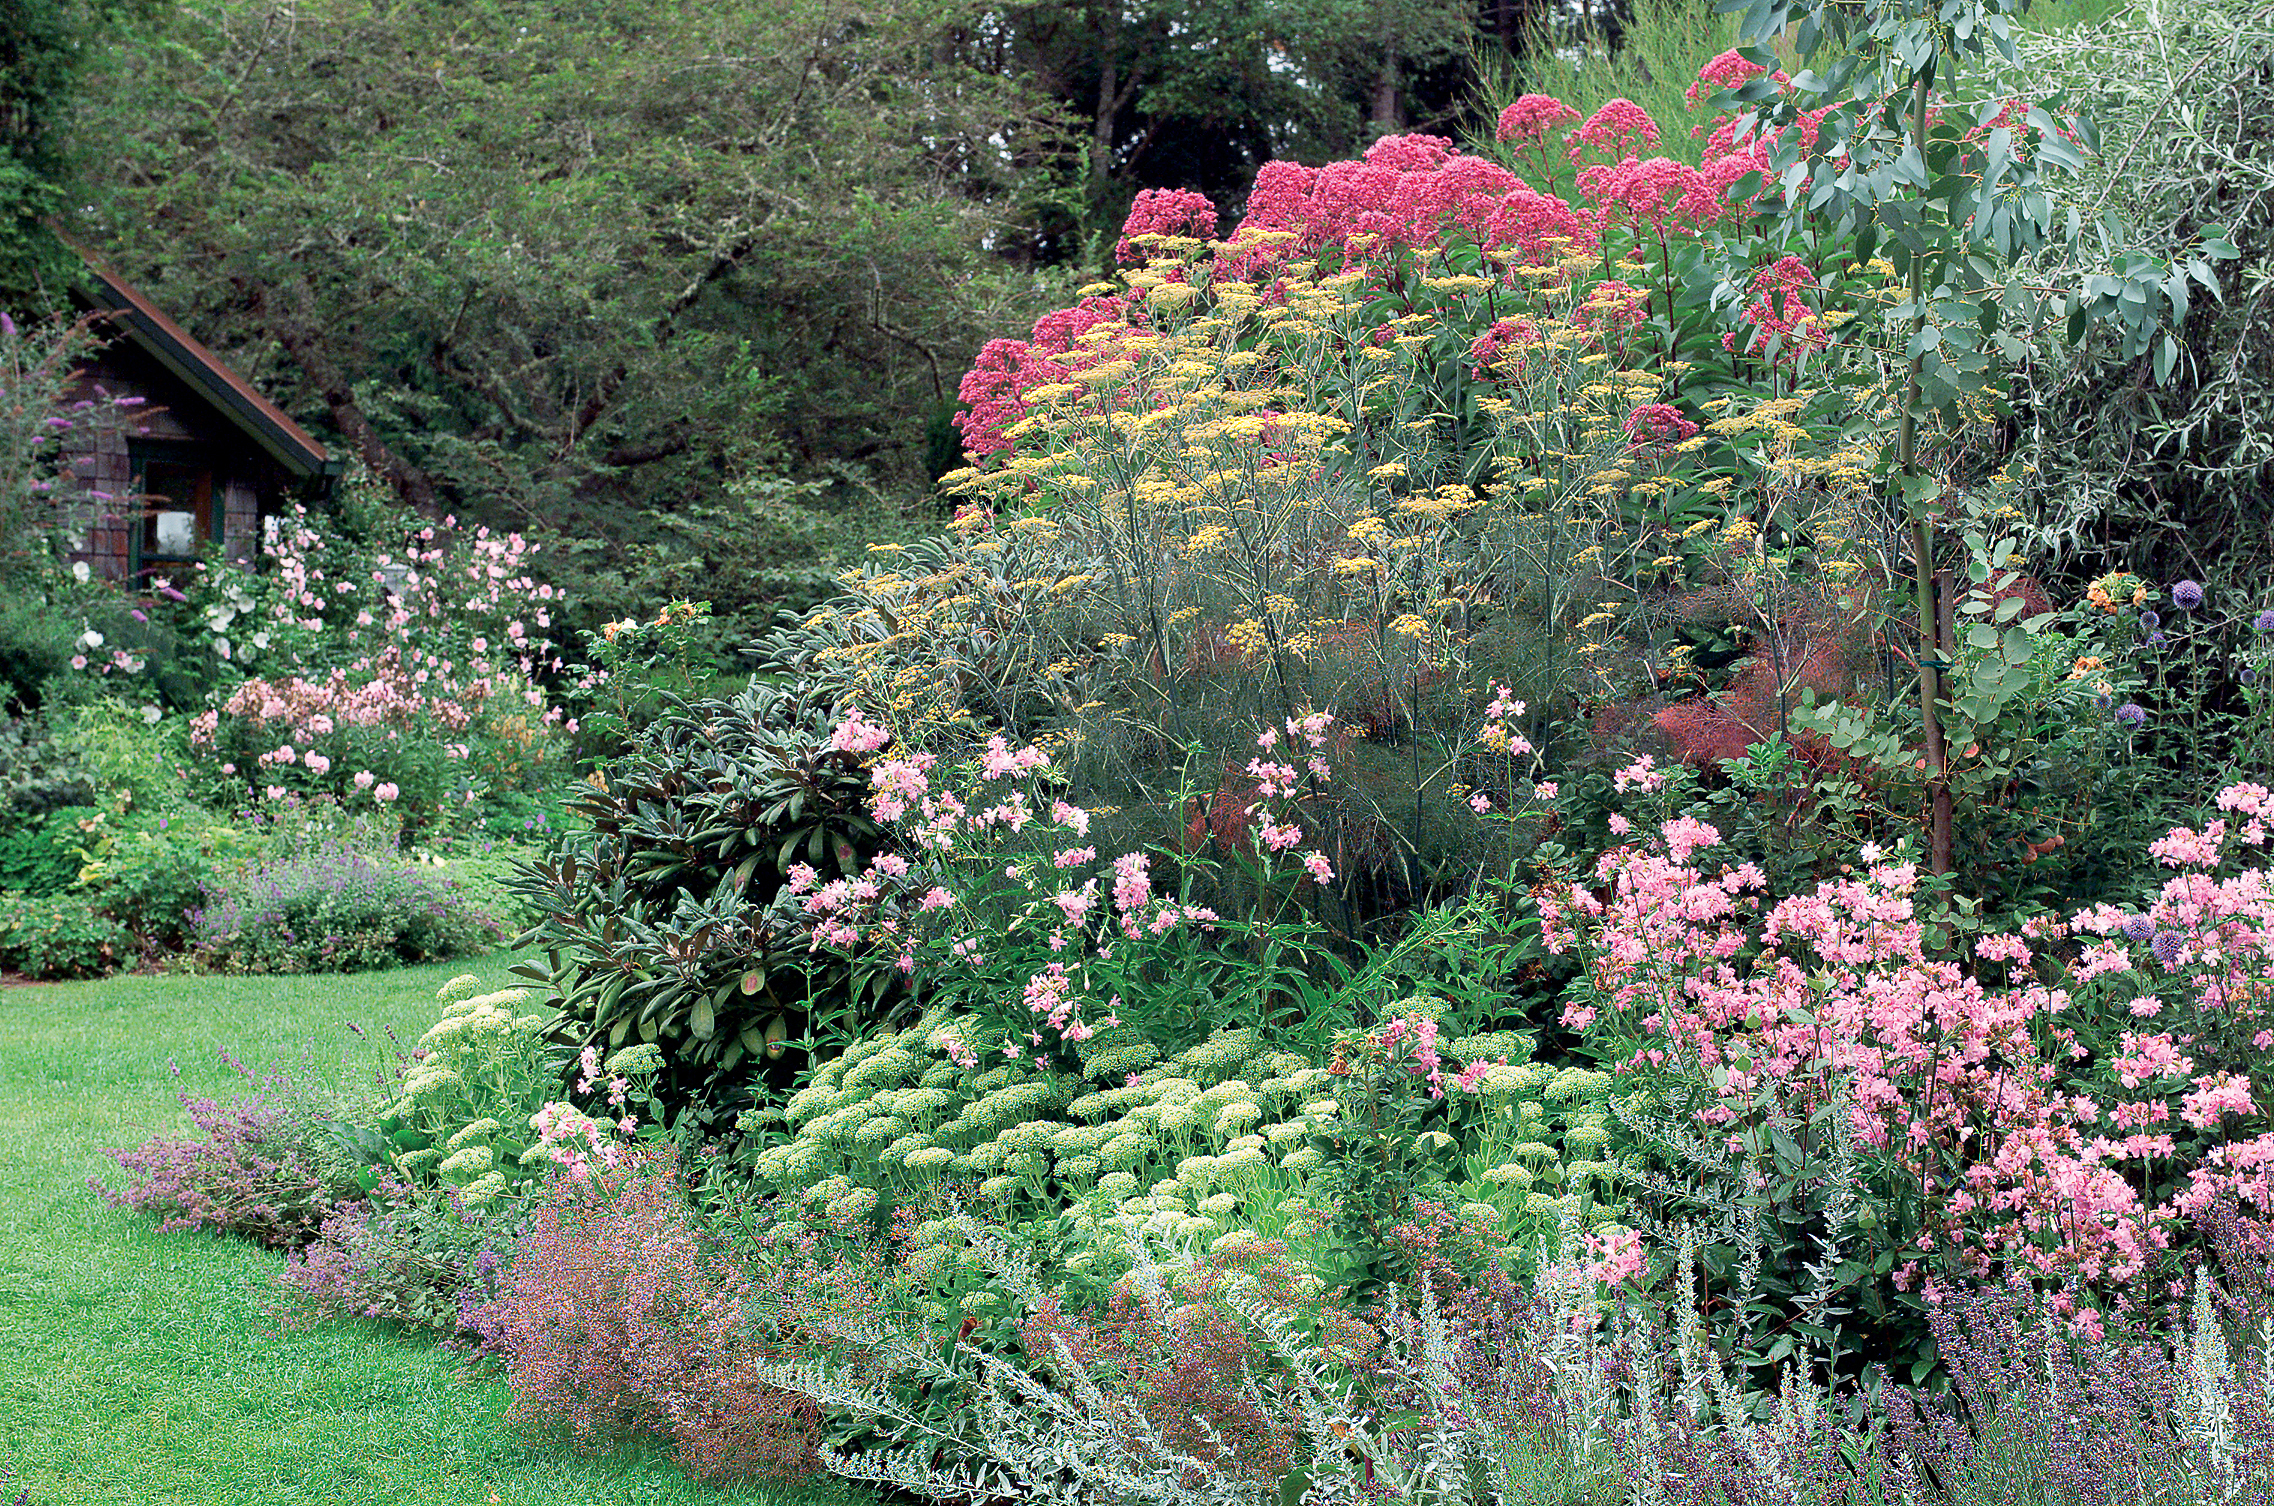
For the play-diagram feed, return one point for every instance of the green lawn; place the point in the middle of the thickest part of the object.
(137, 1368)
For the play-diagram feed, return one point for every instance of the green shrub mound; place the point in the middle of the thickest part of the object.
(653, 915)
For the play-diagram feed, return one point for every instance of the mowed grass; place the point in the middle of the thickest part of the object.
(139, 1368)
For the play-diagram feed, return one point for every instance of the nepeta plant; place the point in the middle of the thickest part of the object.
(334, 910)
(265, 1166)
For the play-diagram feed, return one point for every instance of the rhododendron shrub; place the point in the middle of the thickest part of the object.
(2066, 1102)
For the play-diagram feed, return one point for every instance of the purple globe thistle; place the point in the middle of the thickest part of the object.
(2263, 622)
(2150, 619)
(2131, 713)
(2138, 928)
(2156, 638)
(2187, 595)
(2167, 946)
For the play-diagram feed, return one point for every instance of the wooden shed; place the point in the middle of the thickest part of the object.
(203, 459)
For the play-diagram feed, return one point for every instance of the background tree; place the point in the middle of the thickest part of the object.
(578, 262)
(1198, 94)
(43, 47)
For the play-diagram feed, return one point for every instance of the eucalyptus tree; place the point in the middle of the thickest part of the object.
(1966, 203)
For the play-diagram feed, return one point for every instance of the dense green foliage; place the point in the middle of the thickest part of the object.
(653, 914)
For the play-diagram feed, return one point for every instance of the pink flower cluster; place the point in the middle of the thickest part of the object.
(950, 894)
(1164, 211)
(1417, 191)
(993, 392)
(1503, 350)
(2036, 1132)
(1655, 426)
(1780, 311)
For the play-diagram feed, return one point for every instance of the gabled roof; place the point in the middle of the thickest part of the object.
(138, 319)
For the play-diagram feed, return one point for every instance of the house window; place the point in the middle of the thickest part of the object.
(181, 509)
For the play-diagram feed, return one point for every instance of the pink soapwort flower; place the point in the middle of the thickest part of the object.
(1278, 838)
(2183, 847)
(1642, 774)
(1132, 881)
(385, 794)
(1316, 864)
(856, 734)
(1617, 1256)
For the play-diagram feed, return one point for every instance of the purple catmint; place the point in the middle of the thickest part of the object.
(2187, 595)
